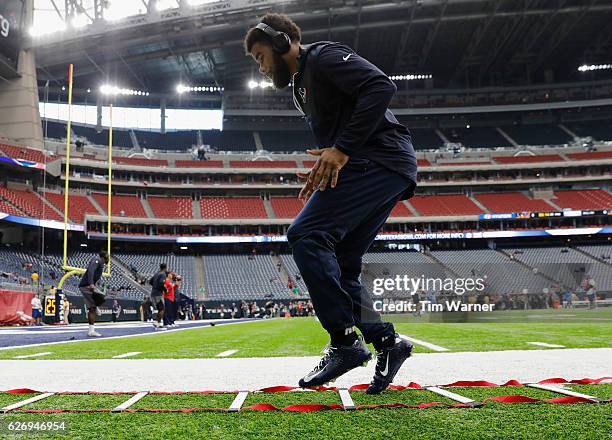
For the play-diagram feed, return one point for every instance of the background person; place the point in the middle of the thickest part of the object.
(93, 297)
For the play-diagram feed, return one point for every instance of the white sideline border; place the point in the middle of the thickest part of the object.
(226, 353)
(126, 355)
(433, 347)
(546, 344)
(25, 356)
(14, 347)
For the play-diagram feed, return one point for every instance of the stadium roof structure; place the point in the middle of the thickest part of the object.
(462, 43)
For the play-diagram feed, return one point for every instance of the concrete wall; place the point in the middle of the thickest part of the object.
(19, 115)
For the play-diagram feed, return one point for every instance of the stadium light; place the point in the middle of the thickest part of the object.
(263, 84)
(410, 77)
(182, 89)
(107, 89)
(590, 67)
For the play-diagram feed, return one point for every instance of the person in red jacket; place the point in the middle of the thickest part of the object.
(169, 300)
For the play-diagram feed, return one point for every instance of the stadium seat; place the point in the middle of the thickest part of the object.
(444, 205)
(29, 203)
(232, 207)
(171, 207)
(263, 164)
(286, 207)
(198, 163)
(583, 199)
(528, 159)
(79, 205)
(7, 208)
(284, 140)
(23, 153)
(242, 277)
(537, 134)
(476, 137)
(512, 202)
(130, 206)
(140, 161)
(400, 210)
(593, 155)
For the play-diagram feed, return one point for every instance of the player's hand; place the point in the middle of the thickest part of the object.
(328, 166)
(91, 287)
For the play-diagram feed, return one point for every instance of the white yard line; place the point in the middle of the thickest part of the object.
(433, 347)
(545, 344)
(125, 355)
(227, 353)
(233, 374)
(32, 355)
(119, 337)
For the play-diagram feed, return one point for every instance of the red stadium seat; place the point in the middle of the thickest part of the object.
(198, 163)
(593, 155)
(286, 207)
(529, 159)
(445, 205)
(400, 210)
(130, 205)
(171, 207)
(29, 203)
(23, 153)
(7, 208)
(263, 164)
(140, 161)
(455, 164)
(79, 206)
(512, 202)
(232, 207)
(583, 199)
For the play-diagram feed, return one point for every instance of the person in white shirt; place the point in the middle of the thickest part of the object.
(36, 310)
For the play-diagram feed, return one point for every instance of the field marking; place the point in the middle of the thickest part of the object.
(556, 389)
(23, 356)
(12, 347)
(347, 401)
(125, 355)
(454, 396)
(35, 332)
(26, 402)
(226, 353)
(132, 400)
(547, 345)
(238, 401)
(433, 347)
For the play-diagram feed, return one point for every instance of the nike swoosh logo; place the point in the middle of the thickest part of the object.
(347, 57)
(310, 376)
(386, 370)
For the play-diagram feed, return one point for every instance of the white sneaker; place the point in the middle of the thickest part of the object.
(94, 334)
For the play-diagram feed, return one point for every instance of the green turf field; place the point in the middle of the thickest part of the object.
(493, 421)
(304, 337)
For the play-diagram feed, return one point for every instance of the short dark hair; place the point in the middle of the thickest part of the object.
(103, 254)
(280, 22)
(163, 266)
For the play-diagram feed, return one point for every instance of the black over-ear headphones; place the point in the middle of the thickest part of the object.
(281, 42)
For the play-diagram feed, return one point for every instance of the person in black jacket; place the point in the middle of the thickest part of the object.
(365, 165)
(157, 293)
(93, 297)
